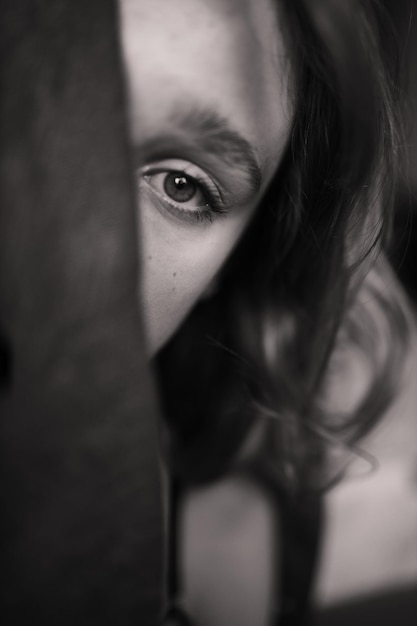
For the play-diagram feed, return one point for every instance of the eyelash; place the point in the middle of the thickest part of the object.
(214, 208)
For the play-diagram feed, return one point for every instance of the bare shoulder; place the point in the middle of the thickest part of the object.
(372, 514)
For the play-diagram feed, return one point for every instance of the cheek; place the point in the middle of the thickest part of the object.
(178, 265)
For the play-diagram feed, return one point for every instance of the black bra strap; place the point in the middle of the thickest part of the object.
(172, 574)
(298, 546)
(175, 616)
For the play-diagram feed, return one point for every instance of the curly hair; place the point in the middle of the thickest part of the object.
(307, 291)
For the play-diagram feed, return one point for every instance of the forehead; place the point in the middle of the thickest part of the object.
(228, 55)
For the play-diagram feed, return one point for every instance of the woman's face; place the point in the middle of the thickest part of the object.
(210, 118)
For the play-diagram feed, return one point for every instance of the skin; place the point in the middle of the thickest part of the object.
(182, 58)
(190, 66)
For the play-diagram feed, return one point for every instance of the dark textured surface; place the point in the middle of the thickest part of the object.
(79, 486)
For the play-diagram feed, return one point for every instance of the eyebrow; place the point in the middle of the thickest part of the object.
(216, 136)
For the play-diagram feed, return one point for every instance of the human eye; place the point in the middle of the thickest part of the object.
(183, 189)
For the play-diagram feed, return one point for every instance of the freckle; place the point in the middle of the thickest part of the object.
(174, 274)
(149, 258)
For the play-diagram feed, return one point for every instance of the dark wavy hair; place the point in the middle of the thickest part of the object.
(307, 292)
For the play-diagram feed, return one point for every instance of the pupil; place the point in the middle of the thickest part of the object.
(180, 182)
(179, 187)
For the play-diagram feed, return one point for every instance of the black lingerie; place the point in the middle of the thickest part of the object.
(300, 522)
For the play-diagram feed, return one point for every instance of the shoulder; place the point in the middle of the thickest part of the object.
(372, 513)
